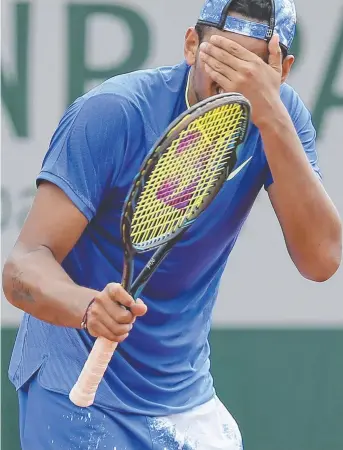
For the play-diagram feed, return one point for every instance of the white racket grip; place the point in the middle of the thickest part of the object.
(84, 390)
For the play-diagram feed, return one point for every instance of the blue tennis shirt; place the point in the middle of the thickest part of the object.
(163, 367)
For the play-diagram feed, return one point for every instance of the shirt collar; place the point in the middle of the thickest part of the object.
(187, 89)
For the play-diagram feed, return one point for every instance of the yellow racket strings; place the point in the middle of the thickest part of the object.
(186, 173)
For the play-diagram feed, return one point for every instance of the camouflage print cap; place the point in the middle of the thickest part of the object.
(282, 21)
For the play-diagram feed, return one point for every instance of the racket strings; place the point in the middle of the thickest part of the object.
(186, 174)
(198, 163)
(173, 181)
(160, 223)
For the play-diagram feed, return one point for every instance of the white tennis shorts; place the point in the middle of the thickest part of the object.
(206, 427)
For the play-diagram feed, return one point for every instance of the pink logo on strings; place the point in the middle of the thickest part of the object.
(181, 199)
(166, 192)
(192, 137)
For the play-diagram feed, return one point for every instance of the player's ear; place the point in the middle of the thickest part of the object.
(286, 67)
(191, 46)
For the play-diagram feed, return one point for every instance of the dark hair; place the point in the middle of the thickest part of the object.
(260, 10)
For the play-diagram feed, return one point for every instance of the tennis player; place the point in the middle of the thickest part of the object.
(158, 391)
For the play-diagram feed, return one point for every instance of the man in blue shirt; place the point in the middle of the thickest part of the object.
(157, 392)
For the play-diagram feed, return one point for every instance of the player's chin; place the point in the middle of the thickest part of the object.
(211, 91)
(208, 94)
(216, 90)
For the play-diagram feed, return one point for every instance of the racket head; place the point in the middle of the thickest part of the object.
(184, 171)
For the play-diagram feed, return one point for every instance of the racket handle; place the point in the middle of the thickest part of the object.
(84, 390)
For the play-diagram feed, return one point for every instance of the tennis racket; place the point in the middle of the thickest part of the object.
(180, 177)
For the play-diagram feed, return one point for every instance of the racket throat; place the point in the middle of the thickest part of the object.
(127, 271)
(152, 265)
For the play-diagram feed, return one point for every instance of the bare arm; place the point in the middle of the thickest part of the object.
(33, 279)
(308, 218)
(35, 282)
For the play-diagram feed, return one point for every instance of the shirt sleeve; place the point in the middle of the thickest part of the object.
(302, 120)
(86, 151)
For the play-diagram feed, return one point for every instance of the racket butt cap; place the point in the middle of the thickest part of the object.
(81, 399)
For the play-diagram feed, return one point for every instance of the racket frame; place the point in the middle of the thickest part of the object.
(164, 244)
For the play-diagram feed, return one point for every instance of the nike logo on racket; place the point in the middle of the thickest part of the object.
(236, 171)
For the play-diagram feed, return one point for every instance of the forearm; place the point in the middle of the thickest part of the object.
(37, 284)
(309, 220)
